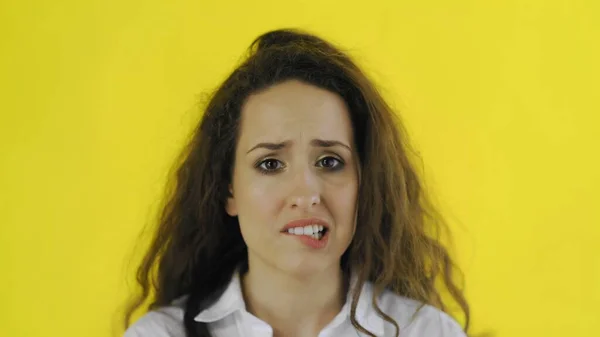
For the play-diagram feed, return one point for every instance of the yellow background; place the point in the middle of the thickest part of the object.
(501, 97)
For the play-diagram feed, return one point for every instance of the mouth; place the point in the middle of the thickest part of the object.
(311, 228)
(316, 232)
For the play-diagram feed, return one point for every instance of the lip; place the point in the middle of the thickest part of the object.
(305, 222)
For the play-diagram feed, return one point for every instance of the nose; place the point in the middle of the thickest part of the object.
(306, 191)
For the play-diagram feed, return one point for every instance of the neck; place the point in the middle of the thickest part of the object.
(294, 305)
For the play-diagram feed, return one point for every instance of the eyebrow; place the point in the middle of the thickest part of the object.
(314, 142)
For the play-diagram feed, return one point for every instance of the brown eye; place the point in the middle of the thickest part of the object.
(331, 163)
(270, 165)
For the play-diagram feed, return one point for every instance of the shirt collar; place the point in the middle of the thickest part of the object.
(366, 315)
(232, 300)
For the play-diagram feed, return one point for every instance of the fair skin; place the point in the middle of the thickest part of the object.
(295, 159)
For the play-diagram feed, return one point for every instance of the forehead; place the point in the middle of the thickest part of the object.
(294, 109)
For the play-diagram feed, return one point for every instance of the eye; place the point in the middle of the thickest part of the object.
(330, 163)
(270, 165)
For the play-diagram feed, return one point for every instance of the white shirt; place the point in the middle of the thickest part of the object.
(228, 318)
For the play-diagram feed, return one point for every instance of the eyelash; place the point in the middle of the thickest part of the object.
(340, 164)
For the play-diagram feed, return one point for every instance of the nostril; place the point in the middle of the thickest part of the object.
(315, 200)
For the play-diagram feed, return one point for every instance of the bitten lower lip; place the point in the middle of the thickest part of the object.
(312, 242)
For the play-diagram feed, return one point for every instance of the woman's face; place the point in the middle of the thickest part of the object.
(295, 179)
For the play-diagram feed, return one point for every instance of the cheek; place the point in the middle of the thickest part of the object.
(257, 203)
(342, 204)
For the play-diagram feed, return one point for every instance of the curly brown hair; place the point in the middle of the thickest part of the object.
(194, 252)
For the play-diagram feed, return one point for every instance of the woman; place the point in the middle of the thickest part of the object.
(296, 212)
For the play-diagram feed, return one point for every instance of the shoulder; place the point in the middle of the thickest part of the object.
(418, 320)
(163, 322)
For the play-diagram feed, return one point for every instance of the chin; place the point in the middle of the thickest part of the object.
(307, 266)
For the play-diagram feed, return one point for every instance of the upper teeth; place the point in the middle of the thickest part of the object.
(306, 230)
